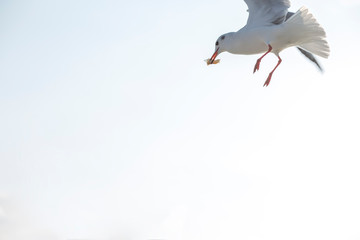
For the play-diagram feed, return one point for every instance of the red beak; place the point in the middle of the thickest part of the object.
(212, 59)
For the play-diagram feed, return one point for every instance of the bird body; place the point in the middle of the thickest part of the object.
(249, 41)
(271, 28)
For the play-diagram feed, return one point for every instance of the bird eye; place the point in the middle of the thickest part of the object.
(217, 43)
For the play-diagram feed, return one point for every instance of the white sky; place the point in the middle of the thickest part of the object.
(113, 127)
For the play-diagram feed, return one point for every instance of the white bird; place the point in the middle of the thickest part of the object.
(271, 28)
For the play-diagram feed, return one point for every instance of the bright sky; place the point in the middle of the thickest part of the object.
(113, 127)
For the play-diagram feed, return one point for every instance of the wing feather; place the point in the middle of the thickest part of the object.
(267, 12)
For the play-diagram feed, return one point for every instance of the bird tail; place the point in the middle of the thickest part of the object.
(308, 33)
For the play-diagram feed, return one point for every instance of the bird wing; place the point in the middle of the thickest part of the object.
(266, 12)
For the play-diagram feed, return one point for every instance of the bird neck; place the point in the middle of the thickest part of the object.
(245, 41)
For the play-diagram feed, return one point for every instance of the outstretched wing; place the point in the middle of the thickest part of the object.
(266, 12)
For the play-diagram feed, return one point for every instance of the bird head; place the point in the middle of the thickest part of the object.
(219, 47)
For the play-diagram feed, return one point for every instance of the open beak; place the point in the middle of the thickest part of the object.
(212, 59)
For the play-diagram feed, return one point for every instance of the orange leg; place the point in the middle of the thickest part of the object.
(257, 65)
(270, 75)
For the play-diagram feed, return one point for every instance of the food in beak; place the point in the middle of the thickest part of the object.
(212, 59)
(208, 61)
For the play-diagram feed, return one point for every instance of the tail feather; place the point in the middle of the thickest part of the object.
(308, 33)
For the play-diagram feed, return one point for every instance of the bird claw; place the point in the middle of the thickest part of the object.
(267, 82)
(257, 65)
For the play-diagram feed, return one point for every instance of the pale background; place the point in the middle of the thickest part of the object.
(113, 127)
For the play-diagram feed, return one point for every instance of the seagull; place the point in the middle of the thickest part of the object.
(272, 28)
